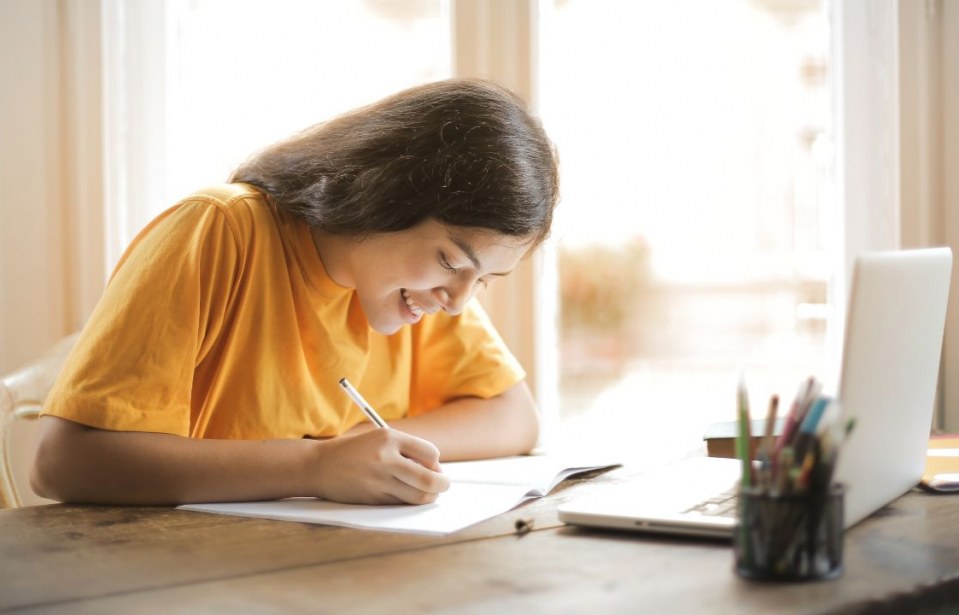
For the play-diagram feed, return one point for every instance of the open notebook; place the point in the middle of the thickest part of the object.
(478, 490)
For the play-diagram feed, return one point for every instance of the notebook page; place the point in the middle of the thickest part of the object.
(538, 473)
(462, 505)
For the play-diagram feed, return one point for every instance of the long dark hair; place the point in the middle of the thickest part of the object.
(465, 152)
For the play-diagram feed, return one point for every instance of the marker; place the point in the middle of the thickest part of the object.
(785, 464)
(764, 453)
(362, 403)
(836, 436)
(765, 449)
(792, 417)
(743, 439)
(805, 470)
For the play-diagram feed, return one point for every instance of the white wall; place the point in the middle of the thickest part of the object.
(52, 267)
(32, 258)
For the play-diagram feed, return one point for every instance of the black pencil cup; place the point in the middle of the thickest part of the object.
(789, 537)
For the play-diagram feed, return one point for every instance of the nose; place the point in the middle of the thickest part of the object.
(452, 298)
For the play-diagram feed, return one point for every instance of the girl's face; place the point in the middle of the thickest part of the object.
(401, 276)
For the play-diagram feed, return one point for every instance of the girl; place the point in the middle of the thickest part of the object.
(209, 370)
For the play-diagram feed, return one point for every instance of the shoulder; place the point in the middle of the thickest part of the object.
(224, 216)
(232, 199)
(241, 207)
(225, 195)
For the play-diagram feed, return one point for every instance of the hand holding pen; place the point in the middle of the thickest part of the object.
(382, 466)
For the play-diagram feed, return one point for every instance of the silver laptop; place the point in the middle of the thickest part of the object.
(890, 366)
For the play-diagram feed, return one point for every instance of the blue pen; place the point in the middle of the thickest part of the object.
(811, 421)
(807, 429)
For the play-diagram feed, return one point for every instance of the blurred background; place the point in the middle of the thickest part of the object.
(721, 161)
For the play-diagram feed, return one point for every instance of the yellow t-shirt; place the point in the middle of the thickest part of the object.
(221, 322)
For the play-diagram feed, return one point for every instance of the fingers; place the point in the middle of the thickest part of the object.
(420, 478)
(419, 450)
(417, 474)
(407, 494)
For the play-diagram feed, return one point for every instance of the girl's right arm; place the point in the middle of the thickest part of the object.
(77, 463)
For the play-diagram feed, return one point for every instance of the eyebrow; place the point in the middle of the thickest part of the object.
(467, 250)
(471, 254)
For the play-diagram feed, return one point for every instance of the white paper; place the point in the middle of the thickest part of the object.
(538, 473)
(478, 490)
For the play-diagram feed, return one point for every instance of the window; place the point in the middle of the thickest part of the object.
(693, 235)
(226, 78)
(246, 74)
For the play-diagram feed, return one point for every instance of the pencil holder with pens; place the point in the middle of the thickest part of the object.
(789, 536)
(790, 510)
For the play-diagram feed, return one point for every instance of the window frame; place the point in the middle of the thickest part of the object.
(896, 106)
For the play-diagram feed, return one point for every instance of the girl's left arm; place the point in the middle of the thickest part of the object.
(476, 428)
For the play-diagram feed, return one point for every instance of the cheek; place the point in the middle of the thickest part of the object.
(392, 276)
(421, 276)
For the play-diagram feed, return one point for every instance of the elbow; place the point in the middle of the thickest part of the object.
(41, 485)
(526, 429)
(48, 476)
(523, 418)
(44, 475)
(530, 438)
(43, 478)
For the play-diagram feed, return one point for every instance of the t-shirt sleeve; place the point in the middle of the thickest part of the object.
(459, 356)
(132, 368)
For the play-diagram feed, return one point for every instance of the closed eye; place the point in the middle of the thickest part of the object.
(446, 264)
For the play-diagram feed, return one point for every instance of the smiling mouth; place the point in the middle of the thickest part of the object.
(414, 307)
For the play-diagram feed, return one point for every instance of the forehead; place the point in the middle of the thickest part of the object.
(484, 239)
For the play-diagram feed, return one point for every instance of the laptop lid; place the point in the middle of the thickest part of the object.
(890, 366)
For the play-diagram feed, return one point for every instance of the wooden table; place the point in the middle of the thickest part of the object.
(76, 559)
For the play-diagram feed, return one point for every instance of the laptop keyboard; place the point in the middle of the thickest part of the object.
(720, 505)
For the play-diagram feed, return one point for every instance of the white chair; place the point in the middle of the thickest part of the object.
(22, 394)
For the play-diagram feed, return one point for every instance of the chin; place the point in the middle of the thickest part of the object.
(386, 328)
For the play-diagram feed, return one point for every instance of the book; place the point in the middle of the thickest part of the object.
(478, 491)
(941, 473)
(720, 437)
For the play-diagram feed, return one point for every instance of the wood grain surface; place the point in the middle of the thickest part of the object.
(76, 559)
